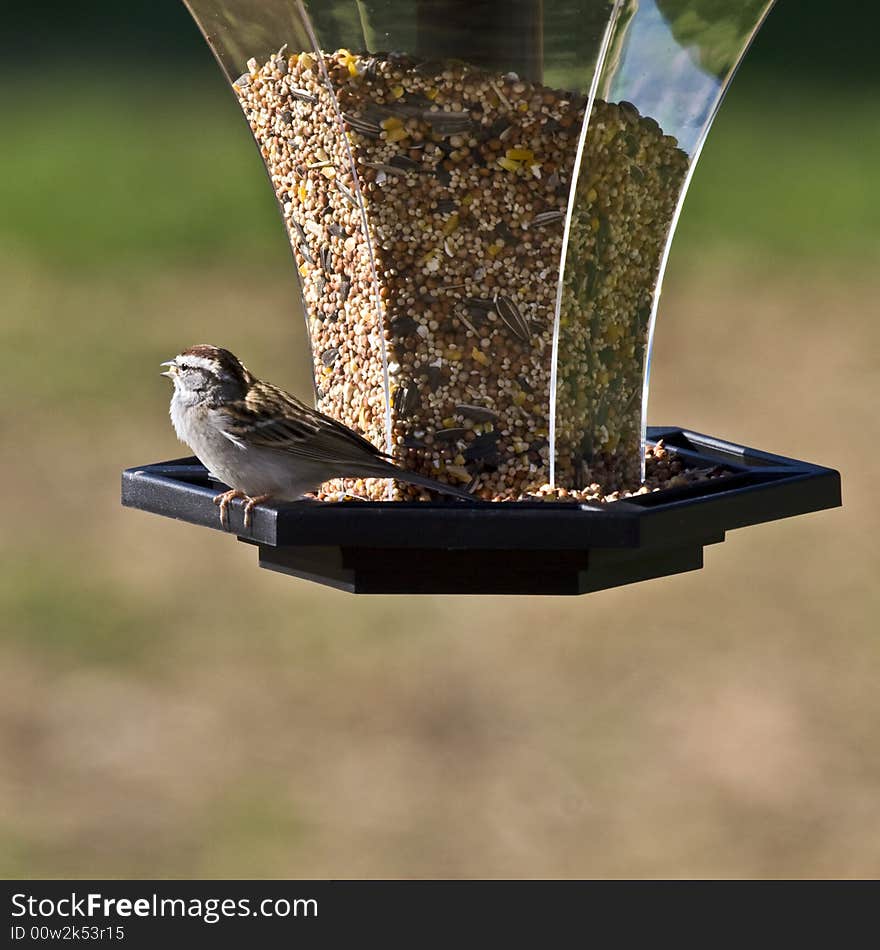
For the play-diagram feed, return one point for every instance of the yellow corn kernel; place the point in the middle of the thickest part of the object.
(468, 200)
(459, 472)
(480, 356)
(328, 171)
(431, 93)
(494, 249)
(306, 61)
(395, 135)
(519, 397)
(451, 224)
(392, 122)
(592, 195)
(396, 92)
(508, 164)
(459, 459)
(448, 422)
(520, 154)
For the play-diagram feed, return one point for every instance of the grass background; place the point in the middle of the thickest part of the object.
(167, 709)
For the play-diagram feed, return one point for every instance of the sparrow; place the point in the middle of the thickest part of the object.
(262, 441)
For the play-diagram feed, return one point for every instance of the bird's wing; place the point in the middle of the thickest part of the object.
(270, 418)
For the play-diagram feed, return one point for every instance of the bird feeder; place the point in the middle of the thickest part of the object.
(480, 199)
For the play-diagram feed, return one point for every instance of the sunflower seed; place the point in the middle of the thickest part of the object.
(337, 231)
(480, 303)
(430, 67)
(466, 323)
(446, 206)
(483, 449)
(501, 97)
(448, 123)
(406, 399)
(514, 320)
(404, 161)
(477, 413)
(349, 197)
(546, 217)
(404, 326)
(385, 169)
(300, 233)
(306, 253)
(243, 81)
(326, 261)
(328, 357)
(501, 230)
(363, 126)
(303, 95)
(449, 435)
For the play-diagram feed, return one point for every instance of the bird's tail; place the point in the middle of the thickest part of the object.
(387, 470)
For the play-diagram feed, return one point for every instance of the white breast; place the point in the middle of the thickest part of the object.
(254, 471)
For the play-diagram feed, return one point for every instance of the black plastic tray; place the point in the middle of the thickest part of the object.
(509, 547)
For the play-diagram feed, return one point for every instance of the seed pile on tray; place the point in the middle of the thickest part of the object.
(663, 470)
(425, 203)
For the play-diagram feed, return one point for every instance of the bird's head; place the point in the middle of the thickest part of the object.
(205, 373)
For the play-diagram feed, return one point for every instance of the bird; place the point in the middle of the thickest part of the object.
(263, 442)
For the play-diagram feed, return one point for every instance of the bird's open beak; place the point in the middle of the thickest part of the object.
(172, 368)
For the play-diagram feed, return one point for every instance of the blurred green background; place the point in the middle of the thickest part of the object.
(167, 709)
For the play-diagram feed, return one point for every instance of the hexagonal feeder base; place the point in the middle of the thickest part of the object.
(510, 547)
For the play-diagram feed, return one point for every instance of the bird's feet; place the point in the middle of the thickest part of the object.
(224, 500)
(249, 507)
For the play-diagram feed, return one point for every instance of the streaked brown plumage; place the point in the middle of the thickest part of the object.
(262, 441)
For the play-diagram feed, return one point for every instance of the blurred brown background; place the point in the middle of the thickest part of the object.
(167, 709)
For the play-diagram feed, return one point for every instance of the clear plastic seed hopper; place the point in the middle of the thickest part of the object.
(480, 198)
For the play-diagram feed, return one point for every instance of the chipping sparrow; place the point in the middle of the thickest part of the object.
(263, 442)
